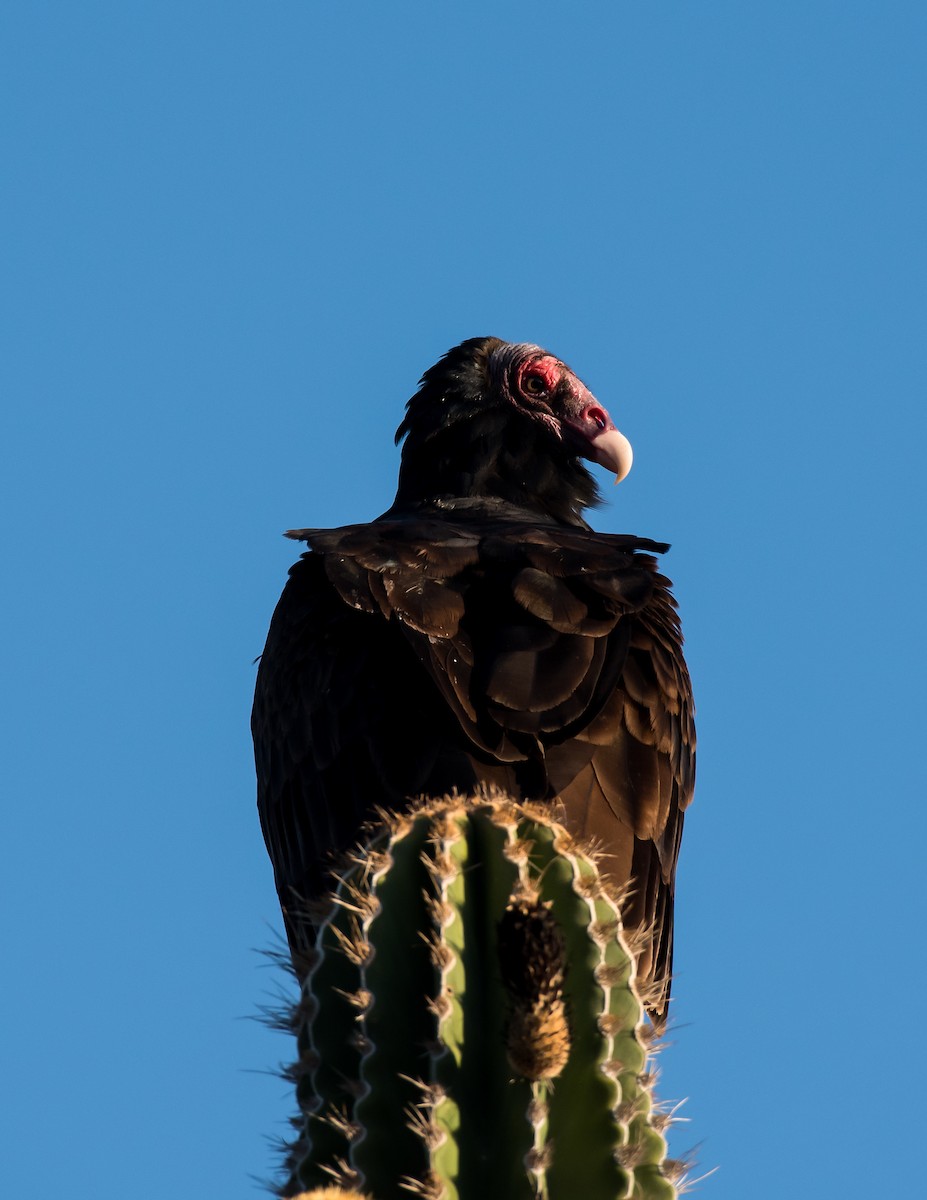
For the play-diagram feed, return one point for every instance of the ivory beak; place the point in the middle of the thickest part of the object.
(612, 450)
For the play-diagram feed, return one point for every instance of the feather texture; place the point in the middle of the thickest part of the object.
(470, 639)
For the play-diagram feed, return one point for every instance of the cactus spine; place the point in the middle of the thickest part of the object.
(469, 1027)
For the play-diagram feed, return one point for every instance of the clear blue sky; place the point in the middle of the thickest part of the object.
(234, 234)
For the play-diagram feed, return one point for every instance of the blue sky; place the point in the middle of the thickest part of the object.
(235, 233)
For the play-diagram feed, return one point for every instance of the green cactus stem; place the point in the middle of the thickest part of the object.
(469, 1027)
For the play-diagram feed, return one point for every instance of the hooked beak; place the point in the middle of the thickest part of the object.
(597, 438)
(612, 450)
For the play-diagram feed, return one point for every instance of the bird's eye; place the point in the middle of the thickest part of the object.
(534, 385)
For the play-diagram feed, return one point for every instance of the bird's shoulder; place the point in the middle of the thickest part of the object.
(411, 564)
(526, 627)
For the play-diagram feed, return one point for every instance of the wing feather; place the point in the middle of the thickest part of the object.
(414, 655)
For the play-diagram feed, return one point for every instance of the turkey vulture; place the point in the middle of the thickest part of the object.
(479, 632)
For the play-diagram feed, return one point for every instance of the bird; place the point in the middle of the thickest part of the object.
(479, 633)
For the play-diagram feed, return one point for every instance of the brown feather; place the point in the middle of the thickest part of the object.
(482, 636)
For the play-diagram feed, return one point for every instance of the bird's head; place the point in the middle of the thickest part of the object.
(510, 421)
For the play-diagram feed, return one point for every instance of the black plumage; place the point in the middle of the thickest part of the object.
(479, 632)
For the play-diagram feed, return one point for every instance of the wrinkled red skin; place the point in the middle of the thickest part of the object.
(548, 368)
(580, 416)
(584, 413)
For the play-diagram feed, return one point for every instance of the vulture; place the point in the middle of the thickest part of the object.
(480, 633)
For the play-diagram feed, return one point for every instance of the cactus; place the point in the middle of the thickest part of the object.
(469, 1028)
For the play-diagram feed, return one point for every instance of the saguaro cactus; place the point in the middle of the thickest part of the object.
(469, 1027)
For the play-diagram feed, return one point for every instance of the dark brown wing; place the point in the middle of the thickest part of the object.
(642, 772)
(413, 656)
(344, 720)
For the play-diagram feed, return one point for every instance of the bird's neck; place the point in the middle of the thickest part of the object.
(489, 458)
